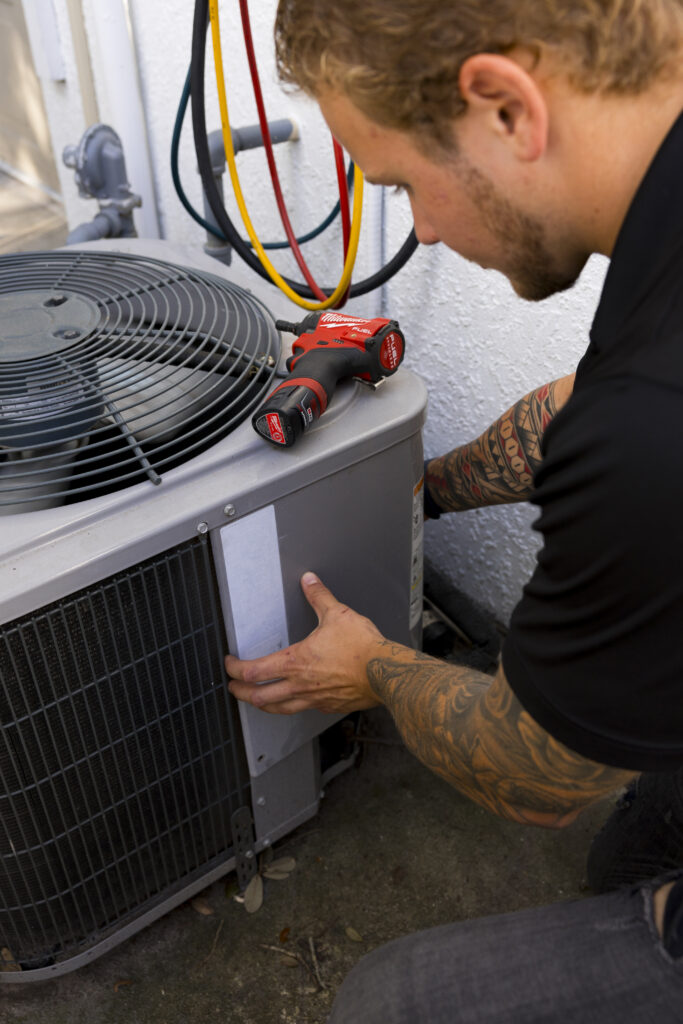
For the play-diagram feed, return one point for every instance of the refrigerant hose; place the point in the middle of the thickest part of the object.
(340, 292)
(196, 216)
(197, 66)
(347, 227)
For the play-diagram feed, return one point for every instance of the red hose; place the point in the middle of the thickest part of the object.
(265, 133)
(344, 209)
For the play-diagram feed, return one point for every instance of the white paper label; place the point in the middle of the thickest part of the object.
(254, 576)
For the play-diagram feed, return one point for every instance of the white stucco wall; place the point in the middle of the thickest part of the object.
(477, 346)
(488, 348)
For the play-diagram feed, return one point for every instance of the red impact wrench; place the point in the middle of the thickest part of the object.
(329, 347)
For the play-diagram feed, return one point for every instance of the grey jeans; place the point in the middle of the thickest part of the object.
(593, 961)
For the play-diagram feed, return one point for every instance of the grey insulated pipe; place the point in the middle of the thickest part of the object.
(105, 224)
(249, 137)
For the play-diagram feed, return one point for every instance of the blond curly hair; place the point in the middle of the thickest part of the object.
(399, 60)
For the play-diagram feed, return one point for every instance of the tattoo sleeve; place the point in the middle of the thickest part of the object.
(499, 466)
(473, 732)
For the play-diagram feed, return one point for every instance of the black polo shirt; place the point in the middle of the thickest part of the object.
(595, 650)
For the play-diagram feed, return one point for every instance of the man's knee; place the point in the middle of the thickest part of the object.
(371, 992)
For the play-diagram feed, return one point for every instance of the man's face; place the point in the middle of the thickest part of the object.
(455, 203)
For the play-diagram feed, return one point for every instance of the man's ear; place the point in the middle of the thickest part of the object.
(508, 101)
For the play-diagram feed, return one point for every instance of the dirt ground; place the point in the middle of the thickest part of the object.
(393, 850)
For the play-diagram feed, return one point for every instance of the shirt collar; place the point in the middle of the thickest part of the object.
(650, 237)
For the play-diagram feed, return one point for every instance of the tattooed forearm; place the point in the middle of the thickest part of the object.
(499, 466)
(472, 731)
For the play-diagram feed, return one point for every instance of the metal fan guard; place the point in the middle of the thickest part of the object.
(115, 368)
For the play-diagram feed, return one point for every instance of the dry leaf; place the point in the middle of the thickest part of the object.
(201, 906)
(352, 934)
(282, 864)
(7, 962)
(253, 895)
(289, 961)
(120, 984)
(277, 875)
(284, 934)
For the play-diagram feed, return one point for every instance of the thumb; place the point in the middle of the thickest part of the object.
(318, 596)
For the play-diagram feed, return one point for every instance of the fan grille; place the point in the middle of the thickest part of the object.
(115, 368)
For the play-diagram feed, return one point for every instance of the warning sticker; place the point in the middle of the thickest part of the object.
(417, 555)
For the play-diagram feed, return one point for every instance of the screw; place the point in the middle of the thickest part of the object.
(229, 511)
(261, 802)
(70, 334)
(249, 854)
(266, 842)
(202, 527)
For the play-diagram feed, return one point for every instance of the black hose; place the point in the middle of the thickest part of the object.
(196, 216)
(197, 65)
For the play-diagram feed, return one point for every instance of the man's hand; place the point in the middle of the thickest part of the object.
(465, 726)
(326, 671)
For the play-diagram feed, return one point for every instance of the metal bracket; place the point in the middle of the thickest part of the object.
(243, 842)
(372, 384)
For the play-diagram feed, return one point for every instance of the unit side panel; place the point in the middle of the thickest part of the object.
(356, 529)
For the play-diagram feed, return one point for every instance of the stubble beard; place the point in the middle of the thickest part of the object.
(530, 266)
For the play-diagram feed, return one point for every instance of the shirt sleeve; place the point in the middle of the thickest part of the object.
(595, 649)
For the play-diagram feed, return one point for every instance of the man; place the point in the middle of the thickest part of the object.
(529, 134)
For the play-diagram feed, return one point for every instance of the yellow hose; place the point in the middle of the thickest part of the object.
(343, 285)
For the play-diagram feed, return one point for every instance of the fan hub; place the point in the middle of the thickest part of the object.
(35, 324)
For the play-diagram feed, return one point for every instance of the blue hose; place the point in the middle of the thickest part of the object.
(211, 228)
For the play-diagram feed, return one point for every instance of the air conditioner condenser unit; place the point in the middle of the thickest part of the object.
(146, 530)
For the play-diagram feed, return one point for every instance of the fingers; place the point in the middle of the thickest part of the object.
(260, 670)
(282, 697)
(265, 681)
(326, 671)
(261, 694)
(318, 596)
(290, 706)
